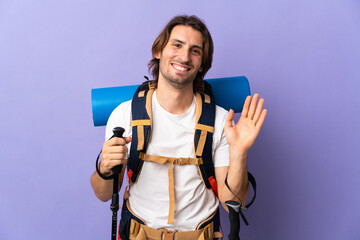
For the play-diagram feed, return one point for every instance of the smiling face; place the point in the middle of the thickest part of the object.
(181, 58)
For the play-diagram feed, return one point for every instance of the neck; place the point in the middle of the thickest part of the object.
(175, 101)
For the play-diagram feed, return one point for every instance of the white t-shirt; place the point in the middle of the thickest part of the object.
(172, 136)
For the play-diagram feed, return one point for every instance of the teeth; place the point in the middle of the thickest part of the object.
(179, 68)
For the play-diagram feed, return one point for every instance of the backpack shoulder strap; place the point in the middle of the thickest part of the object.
(141, 127)
(203, 138)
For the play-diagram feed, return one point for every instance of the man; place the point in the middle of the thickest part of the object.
(182, 54)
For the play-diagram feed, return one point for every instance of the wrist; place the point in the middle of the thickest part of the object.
(238, 161)
(238, 153)
(105, 176)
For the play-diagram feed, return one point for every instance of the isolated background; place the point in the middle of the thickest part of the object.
(302, 56)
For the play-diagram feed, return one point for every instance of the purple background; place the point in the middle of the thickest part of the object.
(301, 56)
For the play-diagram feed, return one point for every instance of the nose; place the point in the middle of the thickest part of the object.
(184, 55)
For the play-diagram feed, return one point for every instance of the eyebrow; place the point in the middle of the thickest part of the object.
(182, 42)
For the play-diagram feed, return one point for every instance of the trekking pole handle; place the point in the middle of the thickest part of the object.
(118, 132)
(234, 209)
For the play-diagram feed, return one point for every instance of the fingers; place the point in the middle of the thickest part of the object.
(261, 119)
(244, 112)
(258, 111)
(118, 141)
(114, 153)
(253, 106)
(106, 166)
(112, 149)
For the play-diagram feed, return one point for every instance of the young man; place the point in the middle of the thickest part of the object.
(182, 54)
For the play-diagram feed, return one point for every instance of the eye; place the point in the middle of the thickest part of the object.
(196, 51)
(177, 45)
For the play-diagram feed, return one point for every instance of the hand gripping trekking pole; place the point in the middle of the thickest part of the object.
(118, 132)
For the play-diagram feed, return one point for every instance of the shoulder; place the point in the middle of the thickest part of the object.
(220, 145)
(121, 109)
(120, 117)
(220, 111)
(220, 116)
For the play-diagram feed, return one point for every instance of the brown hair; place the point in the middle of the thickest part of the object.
(163, 38)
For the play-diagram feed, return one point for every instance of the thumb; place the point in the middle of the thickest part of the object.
(229, 119)
(127, 139)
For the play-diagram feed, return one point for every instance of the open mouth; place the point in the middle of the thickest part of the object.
(180, 67)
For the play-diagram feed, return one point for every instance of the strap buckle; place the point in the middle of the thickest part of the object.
(167, 234)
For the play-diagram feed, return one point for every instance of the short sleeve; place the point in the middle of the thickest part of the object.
(220, 144)
(120, 117)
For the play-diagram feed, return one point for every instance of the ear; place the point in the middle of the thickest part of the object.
(201, 69)
(157, 55)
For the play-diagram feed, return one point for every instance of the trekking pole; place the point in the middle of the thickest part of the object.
(118, 132)
(234, 208)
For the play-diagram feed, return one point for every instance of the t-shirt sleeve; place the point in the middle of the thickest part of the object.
(120, 117)
(220, 144)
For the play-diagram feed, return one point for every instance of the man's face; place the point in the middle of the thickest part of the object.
(181, 58)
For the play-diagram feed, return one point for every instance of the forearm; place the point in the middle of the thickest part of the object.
(237, 179)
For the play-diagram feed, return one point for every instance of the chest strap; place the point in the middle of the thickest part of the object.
(177, 161)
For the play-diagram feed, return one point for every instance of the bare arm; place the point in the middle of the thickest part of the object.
(113, 153)
(240, 138)
(237, 180)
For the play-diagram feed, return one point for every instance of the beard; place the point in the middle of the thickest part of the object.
(176, 81)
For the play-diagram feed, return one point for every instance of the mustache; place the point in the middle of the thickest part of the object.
(186, 64)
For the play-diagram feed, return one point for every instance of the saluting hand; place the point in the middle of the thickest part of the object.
(242, 136)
